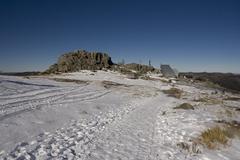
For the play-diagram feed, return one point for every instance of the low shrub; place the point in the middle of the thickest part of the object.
(184, 106)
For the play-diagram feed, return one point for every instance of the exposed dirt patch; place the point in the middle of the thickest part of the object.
(174, 92)
(209, 100)
(70, 80)
(232, 128)
(185, 106)
(190, 147)
(110, 84)
(234, 108)
(232, 99)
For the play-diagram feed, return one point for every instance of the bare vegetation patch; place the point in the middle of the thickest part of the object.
(173, 92)
(131, 74)
(110, 84)
(210, 84)
(209, 100)
(234, 108)
(147, 78)
(184, 106)
(232, 99)
(164, 80)
(145, 93)
(228, 113)
(190, 147)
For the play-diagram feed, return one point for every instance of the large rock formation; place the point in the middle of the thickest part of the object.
(80, 60)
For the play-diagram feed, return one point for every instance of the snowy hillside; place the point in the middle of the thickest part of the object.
(105, 115)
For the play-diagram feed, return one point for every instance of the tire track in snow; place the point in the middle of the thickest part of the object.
(65, 96)
(73, 142)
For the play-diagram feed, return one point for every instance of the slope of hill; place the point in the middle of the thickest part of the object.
(105, 115)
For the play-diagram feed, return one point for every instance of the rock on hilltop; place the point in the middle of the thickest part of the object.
(80, 60)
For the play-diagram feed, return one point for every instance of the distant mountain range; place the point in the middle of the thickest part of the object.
(227, 80)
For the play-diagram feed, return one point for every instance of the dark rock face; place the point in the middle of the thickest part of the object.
(81, 60)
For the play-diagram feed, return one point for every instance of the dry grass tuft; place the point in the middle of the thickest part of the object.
(173, 92)
(184, 106)
(214, 136)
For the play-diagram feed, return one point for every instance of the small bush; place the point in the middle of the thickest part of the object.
(173, 92)
(214, 136)
(184, 106)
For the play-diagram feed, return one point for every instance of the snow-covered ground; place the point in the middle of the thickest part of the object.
(105, 115)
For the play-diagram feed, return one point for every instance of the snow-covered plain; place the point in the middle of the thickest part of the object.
(105, 115)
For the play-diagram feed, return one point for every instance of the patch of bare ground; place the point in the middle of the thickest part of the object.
(146, 93)
(226, 111)
(230, 98)
(70, 80)
(234, 108)
(209, 100)
(232, 128)
(190, 147)
(134, 90)
(110, 84)
(173, 92)
(185, 106)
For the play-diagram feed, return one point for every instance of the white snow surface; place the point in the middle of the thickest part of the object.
(122, 119)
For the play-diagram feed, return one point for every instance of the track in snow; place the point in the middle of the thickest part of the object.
(131, 137)
(48, 97)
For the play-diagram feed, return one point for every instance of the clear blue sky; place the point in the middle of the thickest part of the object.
(191, 35)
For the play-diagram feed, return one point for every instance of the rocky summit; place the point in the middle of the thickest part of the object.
(81, 60)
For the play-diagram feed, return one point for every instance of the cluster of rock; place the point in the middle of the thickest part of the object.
(139, 67)
(81, 60)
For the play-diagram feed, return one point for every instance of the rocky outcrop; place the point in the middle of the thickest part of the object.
(139, 67)
(81, 60)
